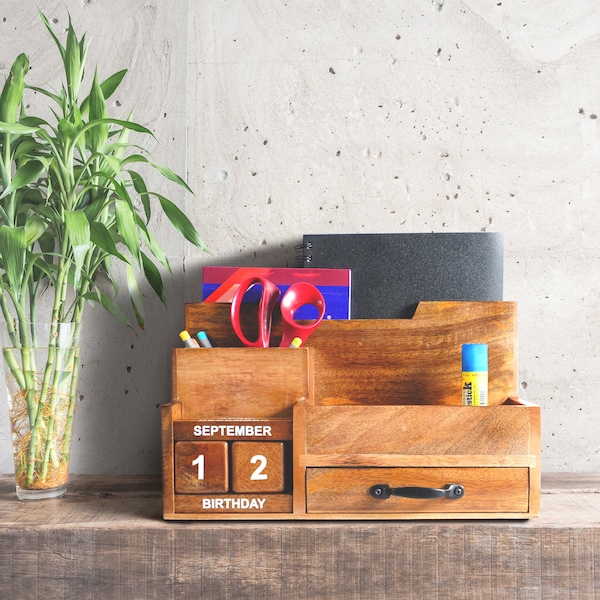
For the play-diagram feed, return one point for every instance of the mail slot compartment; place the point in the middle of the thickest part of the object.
(484, 489)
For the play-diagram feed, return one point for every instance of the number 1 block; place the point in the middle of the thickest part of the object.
(257, 467)
(201, 467)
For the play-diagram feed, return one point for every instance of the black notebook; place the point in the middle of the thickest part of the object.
(393, 272)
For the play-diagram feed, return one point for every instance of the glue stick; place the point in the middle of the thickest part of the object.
(474, 374)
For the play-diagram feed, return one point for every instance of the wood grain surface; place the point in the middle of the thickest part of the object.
(375, 392)
(239, 383)
(393, 361)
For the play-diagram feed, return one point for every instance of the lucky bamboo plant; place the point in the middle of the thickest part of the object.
(73, 201)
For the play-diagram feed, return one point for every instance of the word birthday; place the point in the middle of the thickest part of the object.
(233, 503)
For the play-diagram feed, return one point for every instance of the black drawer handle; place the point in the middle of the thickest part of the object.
(452, 491)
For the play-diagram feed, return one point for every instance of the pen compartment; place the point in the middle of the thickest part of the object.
(364, 403)
(227, 434)
(240, 383)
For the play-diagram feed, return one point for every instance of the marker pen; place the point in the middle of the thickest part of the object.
(296, 343)
(187, 340)
(203, 339)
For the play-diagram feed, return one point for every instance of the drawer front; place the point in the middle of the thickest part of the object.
(347, 489)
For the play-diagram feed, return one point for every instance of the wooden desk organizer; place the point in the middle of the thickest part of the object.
(367, 406)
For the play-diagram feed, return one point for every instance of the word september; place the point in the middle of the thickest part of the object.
(233, 430)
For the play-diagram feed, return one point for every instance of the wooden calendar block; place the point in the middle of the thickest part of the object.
(258, 467)
(201, 467)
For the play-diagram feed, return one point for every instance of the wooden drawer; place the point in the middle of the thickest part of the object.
(486, 490)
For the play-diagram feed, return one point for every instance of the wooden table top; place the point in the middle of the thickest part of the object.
(134, 501)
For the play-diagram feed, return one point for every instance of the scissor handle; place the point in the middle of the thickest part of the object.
(300, 294)
(268, 299)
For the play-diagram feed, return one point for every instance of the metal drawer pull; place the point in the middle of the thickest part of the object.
(452, 491)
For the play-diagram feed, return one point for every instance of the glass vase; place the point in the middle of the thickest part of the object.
(41, 367)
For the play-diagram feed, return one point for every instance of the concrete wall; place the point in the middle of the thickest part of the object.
(315, 116)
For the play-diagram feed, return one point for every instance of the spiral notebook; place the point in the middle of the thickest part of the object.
(393, 272)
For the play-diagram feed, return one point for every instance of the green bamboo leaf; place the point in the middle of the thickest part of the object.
(23, 176)
(137, 300)
(98, 134)
(114, 164)
(12, 92)
(108, 305)
(74, 61)
(135, 158)
(67, 131)
(181, 222)
(12, 254)
(122, 144)
(42, 266)
(156, 250)
(31, 121)
(34, 229)
(101, 237)
(153, 277)
(16, 128)
(28, 147)
(78, 231)
(128, 125)
(32, 196)
(166, 172)
(126, 227)
(95, 209)
(110, 84)
(47, 93)
(131, 125)
(46, 243)
(108, 87)
(140, 187)
(56, 40)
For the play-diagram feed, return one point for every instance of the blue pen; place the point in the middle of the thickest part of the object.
(204, 341)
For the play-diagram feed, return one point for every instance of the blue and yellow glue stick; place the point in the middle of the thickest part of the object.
(475, 374)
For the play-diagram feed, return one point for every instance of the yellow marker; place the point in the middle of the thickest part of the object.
(188, 341)
(296, 343)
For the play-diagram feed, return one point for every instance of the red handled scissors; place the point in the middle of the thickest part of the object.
(298, 294)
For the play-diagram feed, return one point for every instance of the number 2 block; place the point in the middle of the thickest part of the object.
(201, 467)
(257, 467)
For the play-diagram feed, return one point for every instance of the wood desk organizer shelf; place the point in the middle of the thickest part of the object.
(309, 433)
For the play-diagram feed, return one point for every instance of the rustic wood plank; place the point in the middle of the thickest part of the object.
(106, 539)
